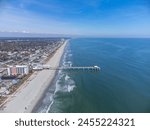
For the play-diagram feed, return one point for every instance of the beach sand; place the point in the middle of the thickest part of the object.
(30, 92)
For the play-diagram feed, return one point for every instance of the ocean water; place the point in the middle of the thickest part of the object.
(122, 85)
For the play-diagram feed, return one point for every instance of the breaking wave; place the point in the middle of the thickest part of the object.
(60, 89)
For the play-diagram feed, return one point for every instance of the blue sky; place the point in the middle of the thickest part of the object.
(76, 17)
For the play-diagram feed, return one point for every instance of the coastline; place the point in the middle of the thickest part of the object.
(37, 107)
(30, 92)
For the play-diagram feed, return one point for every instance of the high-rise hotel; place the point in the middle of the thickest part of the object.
(18, 70)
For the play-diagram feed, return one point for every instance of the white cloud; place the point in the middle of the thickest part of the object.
(18, 19)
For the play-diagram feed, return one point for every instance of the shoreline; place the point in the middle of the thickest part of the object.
(53, 81)
(26, 99)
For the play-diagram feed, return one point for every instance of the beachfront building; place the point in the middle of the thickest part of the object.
(18, 70)
(36, 66)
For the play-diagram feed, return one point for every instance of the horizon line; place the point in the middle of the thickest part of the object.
(50, 35)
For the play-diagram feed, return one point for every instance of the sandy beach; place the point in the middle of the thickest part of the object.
(30, 92)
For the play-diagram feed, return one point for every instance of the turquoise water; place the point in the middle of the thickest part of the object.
(122, 85)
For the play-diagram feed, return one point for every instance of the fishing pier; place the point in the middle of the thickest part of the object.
(71, 68)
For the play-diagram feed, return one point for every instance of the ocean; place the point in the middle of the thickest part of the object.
(121, 86)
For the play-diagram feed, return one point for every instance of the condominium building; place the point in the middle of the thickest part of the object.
(18, 69)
